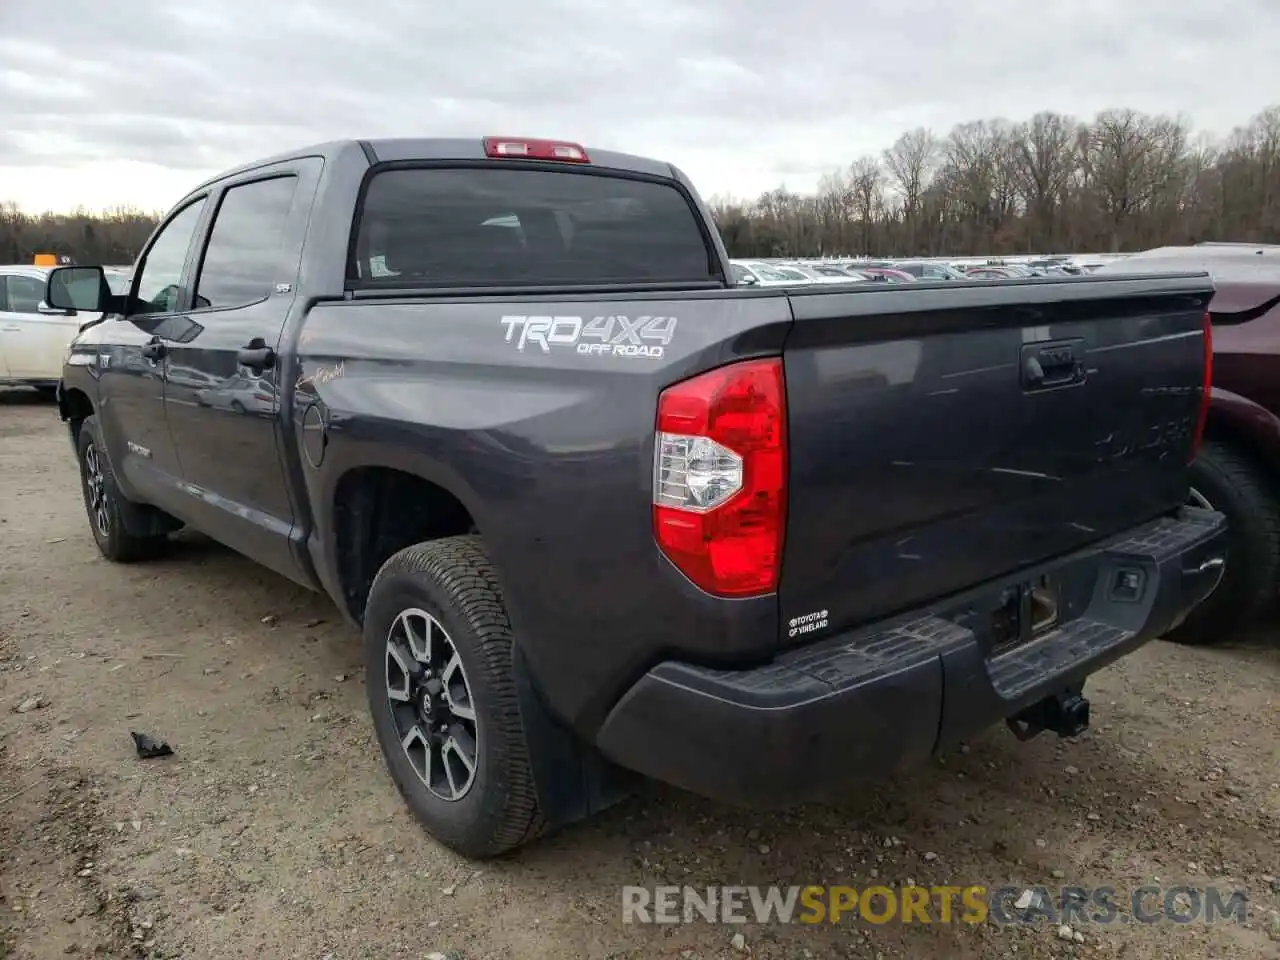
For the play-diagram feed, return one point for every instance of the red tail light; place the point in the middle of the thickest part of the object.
(517, 148)
(1198, 437)
(720, 477)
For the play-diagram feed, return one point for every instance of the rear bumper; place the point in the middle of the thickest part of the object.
(864, 703)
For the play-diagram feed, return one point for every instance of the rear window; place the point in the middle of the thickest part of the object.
(492, 227)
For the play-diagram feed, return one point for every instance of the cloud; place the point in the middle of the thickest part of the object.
(108, 107)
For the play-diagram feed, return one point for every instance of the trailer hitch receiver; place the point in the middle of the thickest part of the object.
(1065, 713)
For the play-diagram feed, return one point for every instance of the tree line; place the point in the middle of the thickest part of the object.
(1123, 181)
(109, 238)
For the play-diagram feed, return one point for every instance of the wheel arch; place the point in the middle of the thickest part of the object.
(375, 510)
(74, 407)
(1247, 427)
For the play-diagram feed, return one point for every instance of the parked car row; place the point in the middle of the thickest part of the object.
(777, 272)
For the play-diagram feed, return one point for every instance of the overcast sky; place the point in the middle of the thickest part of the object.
(134, 103)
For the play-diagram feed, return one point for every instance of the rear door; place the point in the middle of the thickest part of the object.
(35, 342)
(15, 337)
(942, 437)
(8, 328)
(221, 391)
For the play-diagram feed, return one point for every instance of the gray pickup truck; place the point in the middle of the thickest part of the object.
(598, 511)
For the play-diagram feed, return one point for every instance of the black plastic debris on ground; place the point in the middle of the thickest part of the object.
(149, 747)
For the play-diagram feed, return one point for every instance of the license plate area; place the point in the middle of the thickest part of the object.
(1026, 611)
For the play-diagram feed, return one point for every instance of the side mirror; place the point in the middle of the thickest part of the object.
(749, 280)
(77, 288)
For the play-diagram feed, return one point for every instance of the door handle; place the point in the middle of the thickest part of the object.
(1056, 364)
(154, 349)
(256, 355)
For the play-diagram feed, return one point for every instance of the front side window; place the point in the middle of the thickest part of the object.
(160, 281)
(243, 256)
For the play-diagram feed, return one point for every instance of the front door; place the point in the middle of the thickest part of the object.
(221, 392)
(131, 364)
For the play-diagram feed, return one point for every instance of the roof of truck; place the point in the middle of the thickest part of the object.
(390, 150)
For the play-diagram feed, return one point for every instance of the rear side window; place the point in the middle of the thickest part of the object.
(243, 256)
(25, 294)
(483, 226)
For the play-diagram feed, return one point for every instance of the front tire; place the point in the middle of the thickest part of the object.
(438, 666)
(1225, 479)
(105, 504)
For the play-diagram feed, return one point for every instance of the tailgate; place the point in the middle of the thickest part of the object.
(943, 437)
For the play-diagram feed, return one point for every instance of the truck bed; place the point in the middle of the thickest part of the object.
(921, 463)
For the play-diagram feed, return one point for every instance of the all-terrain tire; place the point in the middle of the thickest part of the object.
(105, 505)
(452, 580)
(1236, 486)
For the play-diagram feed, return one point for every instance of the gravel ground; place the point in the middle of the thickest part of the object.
(273, 831)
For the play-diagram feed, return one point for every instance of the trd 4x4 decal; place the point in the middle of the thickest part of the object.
(611, 336)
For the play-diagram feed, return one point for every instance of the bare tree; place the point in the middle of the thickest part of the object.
(1132, 159)
(975, 162)
(911, 161)
(1044, 156)
(835, 204)
(867, 182)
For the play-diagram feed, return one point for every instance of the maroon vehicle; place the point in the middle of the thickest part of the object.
(1238, 468)
(992, 273)
(886, 273)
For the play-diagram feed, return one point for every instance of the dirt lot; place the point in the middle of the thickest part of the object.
(273, 831)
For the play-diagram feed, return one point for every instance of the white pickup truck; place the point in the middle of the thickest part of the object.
(34, 337)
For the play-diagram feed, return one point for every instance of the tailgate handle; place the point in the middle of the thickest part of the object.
(1056, 364)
